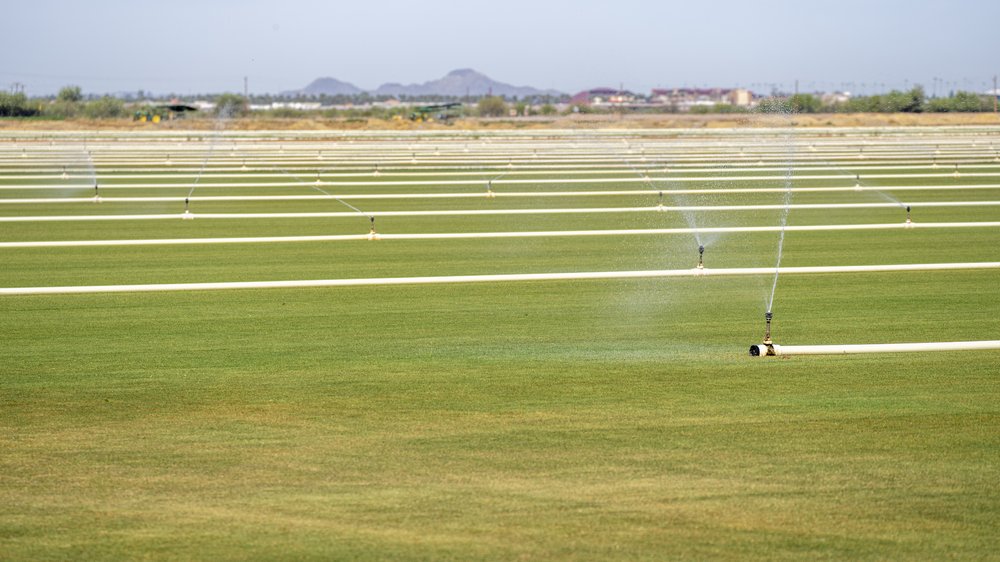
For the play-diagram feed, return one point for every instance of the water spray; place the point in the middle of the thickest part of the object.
(372, 234)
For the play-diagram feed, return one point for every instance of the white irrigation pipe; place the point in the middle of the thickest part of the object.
(474, 235)
(221, 170)
(473, 212)
(668, 179)
(158, 287)
(780, 350)
(495, 194)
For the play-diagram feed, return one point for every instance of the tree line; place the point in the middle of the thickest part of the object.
(71, 103)
(68, 103)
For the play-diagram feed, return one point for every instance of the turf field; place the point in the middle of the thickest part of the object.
(571, 418)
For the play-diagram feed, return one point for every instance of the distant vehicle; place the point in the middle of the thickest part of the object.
(425, 112)
(159, 113)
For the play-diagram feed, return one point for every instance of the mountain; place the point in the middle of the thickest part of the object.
(328, 86)
(461, 82)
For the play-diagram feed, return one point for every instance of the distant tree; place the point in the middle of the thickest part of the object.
(492, 106)
(104, 108)
(70, 94)
(231, 105)
(960, 102)
(15, 105)
(547, 109)
(804, 103)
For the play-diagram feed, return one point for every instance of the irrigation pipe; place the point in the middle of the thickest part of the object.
(781, 350)
(474, 235)
(470, 195)
(473, 212)
(446, 279)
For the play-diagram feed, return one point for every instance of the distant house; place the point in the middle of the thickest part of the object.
(833, 98)
(604, 96)
(683, 99)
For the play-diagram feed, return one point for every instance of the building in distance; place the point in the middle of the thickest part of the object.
(684, 99)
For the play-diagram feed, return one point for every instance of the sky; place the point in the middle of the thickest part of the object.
(187, 47)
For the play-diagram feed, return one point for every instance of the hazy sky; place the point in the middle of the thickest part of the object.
(187, 46)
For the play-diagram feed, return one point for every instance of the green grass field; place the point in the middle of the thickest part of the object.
(545, 420)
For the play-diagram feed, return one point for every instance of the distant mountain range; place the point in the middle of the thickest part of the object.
(461, 82)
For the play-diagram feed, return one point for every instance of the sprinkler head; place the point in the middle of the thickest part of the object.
(767, 347)
(767, 333)
(372, 234)
(187, 212)
(908, 221)
(701, 256)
